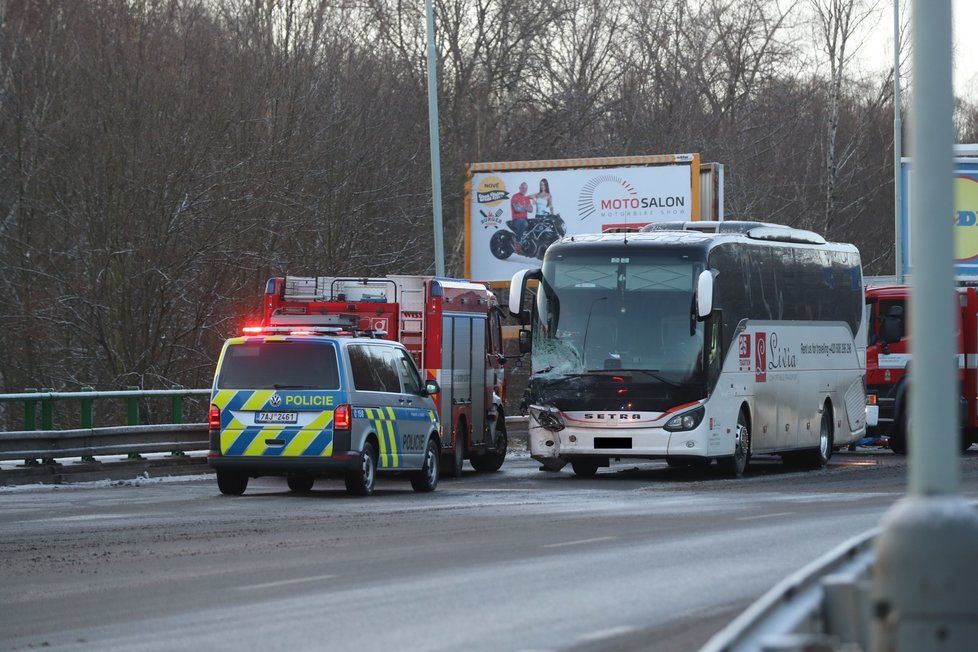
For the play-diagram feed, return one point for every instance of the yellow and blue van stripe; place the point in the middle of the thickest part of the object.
(313, 439)
(384, 422)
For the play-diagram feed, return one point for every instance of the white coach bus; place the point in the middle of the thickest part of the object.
(694, 341)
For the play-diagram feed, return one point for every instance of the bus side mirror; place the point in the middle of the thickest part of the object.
(704, 294)
(517, 292)
(526, 341)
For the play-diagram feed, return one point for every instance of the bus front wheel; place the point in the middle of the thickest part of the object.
(736, 465)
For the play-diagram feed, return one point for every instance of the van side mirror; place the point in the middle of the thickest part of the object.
(704, 294)
(526, 341)
(517, 291)
(431, 386)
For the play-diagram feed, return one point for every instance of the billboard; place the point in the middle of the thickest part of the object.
(965, 218)
(515, 210)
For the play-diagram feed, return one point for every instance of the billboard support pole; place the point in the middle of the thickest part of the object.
(925, 581)
(897, 147)
(433, 137)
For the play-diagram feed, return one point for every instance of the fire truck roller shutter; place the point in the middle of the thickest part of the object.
(477, 373)
(462, 367)
(445, 379)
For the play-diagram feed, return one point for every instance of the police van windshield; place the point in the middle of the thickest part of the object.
(279, 365)
(601, 311)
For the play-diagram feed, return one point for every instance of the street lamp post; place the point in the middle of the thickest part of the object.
(897, 147)
(925, 592)
(433, 141)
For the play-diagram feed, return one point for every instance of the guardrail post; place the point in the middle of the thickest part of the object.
(47, 419)
(132, 415)
(47, 411)
(176, 414)
(30, 419)
(177, 406)
(87, 419)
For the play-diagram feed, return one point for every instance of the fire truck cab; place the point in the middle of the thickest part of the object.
(452, 329)
(888, 363)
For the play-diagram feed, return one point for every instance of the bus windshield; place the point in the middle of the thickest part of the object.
(603, 311)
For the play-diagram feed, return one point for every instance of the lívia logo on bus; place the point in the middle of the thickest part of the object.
(769, 355)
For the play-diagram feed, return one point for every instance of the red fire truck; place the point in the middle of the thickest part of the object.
(451, 327)
(888, 363)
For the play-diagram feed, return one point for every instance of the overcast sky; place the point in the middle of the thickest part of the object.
(877, 53)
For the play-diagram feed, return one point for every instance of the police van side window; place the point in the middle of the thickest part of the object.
(374, 369)
(364, 379)
(409, 374)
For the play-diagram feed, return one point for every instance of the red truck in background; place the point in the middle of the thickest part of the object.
(451, 327)
(888, 363)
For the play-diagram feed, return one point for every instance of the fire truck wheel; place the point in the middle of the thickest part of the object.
(231, 484)
(300, 484)
(736, 465)
(361, 481)
(584, 468)
(452, 464)
(426, 479)
(898, 438)
(490, 461)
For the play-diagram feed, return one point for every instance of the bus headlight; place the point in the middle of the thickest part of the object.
(547, 417)
(686, 420)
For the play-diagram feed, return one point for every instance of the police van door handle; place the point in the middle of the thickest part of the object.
(405, 401)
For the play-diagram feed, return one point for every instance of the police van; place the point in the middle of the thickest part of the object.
(321, 402)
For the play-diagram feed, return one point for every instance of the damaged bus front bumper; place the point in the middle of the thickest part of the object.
(557, 437)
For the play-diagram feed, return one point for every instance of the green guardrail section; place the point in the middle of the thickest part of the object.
(42, 402)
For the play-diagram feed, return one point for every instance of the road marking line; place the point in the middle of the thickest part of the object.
(611, 632)
(268, 585)
(576, 543)
(754, 518)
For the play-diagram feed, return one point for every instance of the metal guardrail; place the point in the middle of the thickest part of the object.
(133, 439)
(46, 398)
(825, 606)
(89, 442)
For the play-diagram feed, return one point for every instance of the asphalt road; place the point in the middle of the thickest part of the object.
(640, 557)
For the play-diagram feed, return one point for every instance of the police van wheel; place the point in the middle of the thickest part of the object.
(231, 483)
(361, 481)
(584, 468)
(426, 479)
(300, 484)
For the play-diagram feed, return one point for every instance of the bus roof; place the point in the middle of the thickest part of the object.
(705, 236)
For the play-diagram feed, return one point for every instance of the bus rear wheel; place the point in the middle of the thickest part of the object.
(736, 465)
(817, 458)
